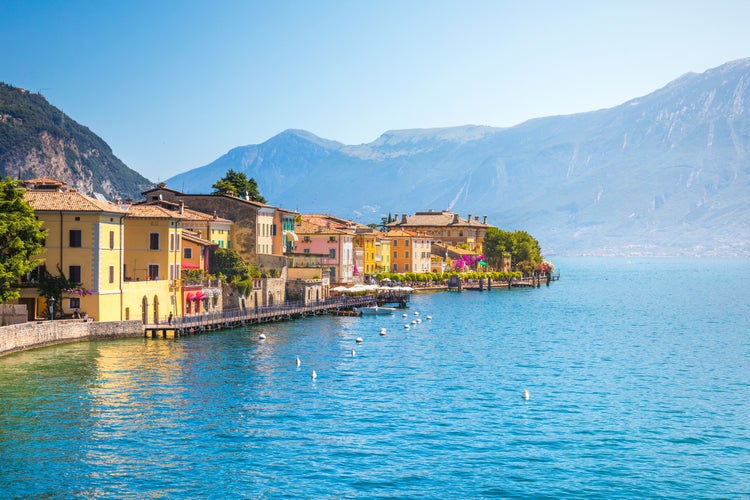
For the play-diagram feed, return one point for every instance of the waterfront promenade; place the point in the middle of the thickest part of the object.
(231, 318)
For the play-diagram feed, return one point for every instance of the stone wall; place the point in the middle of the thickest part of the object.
(41, 333)
(13, 314)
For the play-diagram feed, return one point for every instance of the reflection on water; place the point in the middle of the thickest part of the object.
(630, 369)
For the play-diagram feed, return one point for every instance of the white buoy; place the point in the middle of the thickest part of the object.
(262, 336)
(383, 330)
(314, 375)
(416, 313)
(406, 327)
(298, 361)
(429, 317)
(354, 353)
(413, 322)
(359, 340)
(382, 333)
(526, 394)
(404, 315)
(419, 320)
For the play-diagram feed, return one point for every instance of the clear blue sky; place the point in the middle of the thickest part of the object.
(173, 85)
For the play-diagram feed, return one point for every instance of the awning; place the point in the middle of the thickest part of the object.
(199, 296)
(189, 265)
(190, 296)
(292, 235)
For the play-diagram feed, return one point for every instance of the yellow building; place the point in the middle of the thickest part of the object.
(152, 263)
(410, 252)
(446, 227)
(85, 243)
(383, 253)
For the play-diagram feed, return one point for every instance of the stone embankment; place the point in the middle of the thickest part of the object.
(43, 333)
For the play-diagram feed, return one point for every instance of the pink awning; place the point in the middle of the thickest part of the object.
(189, 265)
(190, 296)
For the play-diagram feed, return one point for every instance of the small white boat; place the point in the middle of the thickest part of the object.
(376, 310)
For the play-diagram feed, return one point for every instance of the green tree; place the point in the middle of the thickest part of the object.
(229, 263)
(21, 238)
(240, 185)
(52, 287)
(520, 245)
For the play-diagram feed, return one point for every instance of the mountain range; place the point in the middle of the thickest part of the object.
(663, 174)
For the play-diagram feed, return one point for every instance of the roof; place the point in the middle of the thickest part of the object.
(184, 213)
(329, 221)
(400, 233)
(192, 236)
(309, 227)
(68, 201)
(436, 219)
(152, 212)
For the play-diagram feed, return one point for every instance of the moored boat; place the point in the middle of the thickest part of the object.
(375, 310)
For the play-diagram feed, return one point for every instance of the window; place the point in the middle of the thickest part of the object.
(154, 241)
(111, 240)
(332, 253)
(395, 255)
(306, 238)
(75, 237)
(187, 253)
(74, 274)
(171, 242)
(74, 303)
(153, 271)
(178, 238)
(395, 243)
(332, 239)
(307, 251)
(395, 267)
(406, 255)
(111, 274)
(406, 243)
(406, 267)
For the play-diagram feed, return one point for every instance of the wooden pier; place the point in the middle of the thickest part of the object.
(233, 318)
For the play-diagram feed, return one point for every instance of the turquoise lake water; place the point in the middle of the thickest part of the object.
(638, 373)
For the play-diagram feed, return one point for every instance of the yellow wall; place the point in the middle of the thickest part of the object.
(95, 257)
(384, 250)
(139, 255)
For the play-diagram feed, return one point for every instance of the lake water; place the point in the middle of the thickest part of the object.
(638, 373)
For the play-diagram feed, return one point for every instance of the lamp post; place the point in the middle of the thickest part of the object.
(51, 308)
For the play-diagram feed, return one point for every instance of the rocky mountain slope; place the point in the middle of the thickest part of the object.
(39, 140)
(664, 174)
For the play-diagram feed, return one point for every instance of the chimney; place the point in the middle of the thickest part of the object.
(455, 219)
(182, 207)
(476, 218)
(485, 220)
(403, 218)
(469, 219)
(395, 216)
(215, 216)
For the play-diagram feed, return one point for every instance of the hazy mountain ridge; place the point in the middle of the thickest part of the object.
(39, 140)
(666, 173)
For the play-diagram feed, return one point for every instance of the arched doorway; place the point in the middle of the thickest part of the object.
(144, 309)
(270, 299)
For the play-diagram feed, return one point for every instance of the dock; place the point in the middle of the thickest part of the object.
(233, 318)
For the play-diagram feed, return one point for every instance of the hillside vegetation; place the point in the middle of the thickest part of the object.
(39, 140)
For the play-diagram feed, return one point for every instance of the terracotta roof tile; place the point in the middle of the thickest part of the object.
(68, 201)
